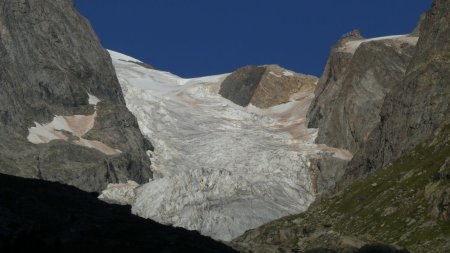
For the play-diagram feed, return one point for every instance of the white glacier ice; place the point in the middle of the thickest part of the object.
(219, 168)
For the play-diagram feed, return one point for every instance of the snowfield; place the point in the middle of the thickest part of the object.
(219, 168)
(62, 127)
(353, 45)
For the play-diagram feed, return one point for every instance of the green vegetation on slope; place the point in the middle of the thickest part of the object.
(394, 204)
(405, 204)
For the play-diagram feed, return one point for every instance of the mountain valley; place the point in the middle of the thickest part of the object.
(101, 151)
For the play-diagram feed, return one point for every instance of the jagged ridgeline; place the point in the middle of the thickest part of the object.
(62, 113)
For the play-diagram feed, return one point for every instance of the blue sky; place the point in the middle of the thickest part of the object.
(203, 37)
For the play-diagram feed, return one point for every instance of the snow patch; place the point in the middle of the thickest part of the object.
(93, 100)
(352, 45)
(118, 56)
(288, 73)
(70, 128)
(273, 73)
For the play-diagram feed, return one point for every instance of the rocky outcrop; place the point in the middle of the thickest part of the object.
(416, 31)
(326, 171)
(39, 216)
(439, 196)
(62, 113)
(382, 107)
(419, 105)
(265, 86)
(240, 86)
(440, 201)
(350, 94)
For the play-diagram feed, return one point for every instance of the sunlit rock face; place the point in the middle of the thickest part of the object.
(348, 106)
(219, 168)
(353, 89)
(265, 86)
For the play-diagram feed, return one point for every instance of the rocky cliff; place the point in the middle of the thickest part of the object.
(419, 105)
(265, 86)
(350, 94)
(381, 107)
(62, 113)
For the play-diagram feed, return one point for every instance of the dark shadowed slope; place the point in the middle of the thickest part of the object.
(38, 215)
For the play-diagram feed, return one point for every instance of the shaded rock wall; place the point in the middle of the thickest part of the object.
(50, 60)
(240, 86)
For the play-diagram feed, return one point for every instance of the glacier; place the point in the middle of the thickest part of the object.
(219, 168)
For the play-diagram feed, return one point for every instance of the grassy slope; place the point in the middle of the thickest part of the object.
(392, 205)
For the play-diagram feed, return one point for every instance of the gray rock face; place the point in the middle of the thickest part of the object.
(50, 63)
(440, 202)
(352, 90)
(350, 94)
(416, 31)
(240, 86)
(381, 97)
(326, 171)
(418, 106)
(265, 86)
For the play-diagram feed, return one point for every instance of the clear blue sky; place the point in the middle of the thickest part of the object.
(203, 37)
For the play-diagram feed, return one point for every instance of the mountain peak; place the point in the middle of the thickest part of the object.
(265, 86)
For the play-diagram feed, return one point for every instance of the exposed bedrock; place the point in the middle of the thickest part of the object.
(51, 64)
(418, 106)
(352, 94)
(264, 86)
